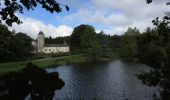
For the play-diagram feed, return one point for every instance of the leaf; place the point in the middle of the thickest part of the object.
(148, 1)
(168, 3)
(67, 8)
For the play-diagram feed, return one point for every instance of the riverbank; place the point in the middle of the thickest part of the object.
(52, 62)
(43, 63)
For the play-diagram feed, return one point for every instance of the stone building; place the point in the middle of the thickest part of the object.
(50, 48)
(40, 41)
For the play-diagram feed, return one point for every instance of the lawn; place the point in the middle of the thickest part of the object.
(43, 63)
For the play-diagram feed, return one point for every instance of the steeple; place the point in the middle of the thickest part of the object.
(41, 41)
(41, 33)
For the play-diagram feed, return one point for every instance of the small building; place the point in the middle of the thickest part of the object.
(50, 48)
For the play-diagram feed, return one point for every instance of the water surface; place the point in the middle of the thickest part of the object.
(113, 80)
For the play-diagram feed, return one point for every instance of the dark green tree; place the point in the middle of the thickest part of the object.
(154, 50)
(84, 40)
(13, 46)
(58, 40)
(89, 43)
(77, 37)
(9, 8)
(105, 43)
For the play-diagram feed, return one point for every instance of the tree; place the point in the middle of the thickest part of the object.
(9, 8)
(132, 31)
(13, 46)
(128, 49)
(22, 45)
(77, 39)
(105, 44)
(88, 38)
(59, 40)
(154, 50)
(84, 40)
(30, 80)
(89, 43)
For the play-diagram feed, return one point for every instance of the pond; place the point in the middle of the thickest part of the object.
(114, 80)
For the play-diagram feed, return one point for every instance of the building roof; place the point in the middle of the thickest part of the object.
(41, 33)
(56, 45)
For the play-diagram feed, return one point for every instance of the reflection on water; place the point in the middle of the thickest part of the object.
(104, 81)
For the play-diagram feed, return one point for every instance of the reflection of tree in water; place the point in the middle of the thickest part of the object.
(31, 80)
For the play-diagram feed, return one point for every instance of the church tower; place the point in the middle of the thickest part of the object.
(41, 41)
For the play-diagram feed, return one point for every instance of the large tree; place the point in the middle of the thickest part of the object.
(9, 8)
(13, 46)
(77, 38)
(84, 40)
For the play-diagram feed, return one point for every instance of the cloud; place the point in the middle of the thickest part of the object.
(87, 16)
(111, 16)
(32, 27)
(118, 15)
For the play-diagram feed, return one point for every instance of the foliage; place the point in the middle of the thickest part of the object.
(59, 40)
(88, 38)
(150, 1)
(9, 8)
(154, 50)
(33, 80)
(13, 46)
(88, 42)
(128, 49)
(105, 44)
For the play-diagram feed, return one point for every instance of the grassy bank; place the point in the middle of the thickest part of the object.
(43, 63)
(51, 62)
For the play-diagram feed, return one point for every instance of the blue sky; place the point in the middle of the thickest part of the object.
(51, 18)
(111, 16)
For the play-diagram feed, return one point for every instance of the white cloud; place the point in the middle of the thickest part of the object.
(118, 15)
(111, 16)
(32, 27)
(87, 16)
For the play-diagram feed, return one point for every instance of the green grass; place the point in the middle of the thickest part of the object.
(16, 66)
(52, 62)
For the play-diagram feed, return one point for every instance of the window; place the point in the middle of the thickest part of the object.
(49, 49)
(45, 49)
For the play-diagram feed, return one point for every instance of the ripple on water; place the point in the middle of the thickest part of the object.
(113, 80)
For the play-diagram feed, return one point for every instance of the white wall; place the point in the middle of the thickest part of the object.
(56, 49)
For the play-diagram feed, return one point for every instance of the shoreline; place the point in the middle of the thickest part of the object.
(5, 68)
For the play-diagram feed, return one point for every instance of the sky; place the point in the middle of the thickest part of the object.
(112, 16)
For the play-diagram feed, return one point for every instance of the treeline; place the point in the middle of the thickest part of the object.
(84, 39)
(58, 40)
(13, 46)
